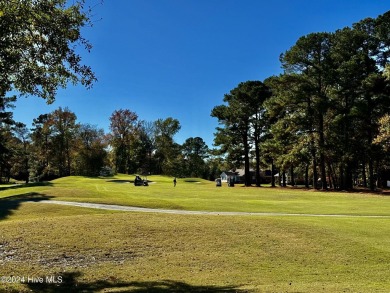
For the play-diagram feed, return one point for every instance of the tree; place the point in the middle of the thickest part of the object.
(21, 166)
(360, 97)
(383, 137)
(6, 153)
(91, 150)
(41, 148)
(291, 140)
(242, 123)
(15, 156)
(329, 100)
(215, 164)
(146, 147)
(60, 147)
(124, 130)
(6, 121)
(234, 134)
(195, 151)
(167, 150)
(310, 58)
(38, 53)
(257, 93)
(64, 129)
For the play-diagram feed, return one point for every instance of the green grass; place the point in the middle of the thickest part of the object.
(197, 194)
(104, 251)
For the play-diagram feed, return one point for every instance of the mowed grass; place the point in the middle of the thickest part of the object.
(104, 251)
(197, 194)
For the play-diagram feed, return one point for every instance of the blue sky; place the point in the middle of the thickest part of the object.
(177, 58)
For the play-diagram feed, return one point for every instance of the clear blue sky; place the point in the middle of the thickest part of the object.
(177, 58)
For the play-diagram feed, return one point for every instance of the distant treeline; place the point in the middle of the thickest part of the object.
(58, 146)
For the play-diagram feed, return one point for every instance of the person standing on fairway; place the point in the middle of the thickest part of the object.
(174, 182)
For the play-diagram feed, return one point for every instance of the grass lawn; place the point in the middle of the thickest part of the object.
(87, 250)
(197, 194)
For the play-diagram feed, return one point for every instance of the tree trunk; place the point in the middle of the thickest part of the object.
(324, 185)
(307, 176)
(284, 178)
(333, 176)
(315, 174)
(46, 151)
(247, 176)
(348, 177)
(314, 162)
(272, 173)
(331, 182)
(364, 174)
(292, 175)
(341, 177)
(68, 159)
(257, 153)
(371, 174)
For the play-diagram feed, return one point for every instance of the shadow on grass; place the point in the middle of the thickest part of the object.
(192, 180)
(125, 181)
(120, 181)
(18, 186)
(9, 204)
(68, 283)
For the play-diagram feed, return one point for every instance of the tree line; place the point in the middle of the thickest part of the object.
(58, 146)
(325, 118)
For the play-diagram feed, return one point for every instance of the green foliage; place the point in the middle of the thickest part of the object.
(195, 151)
(383, 137)
(124, 133)
(91, 151)
(168, 155)
(327, 104)
(38, 54)
(242, 123)
(60, 146)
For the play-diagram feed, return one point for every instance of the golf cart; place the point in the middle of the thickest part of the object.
(138, 181)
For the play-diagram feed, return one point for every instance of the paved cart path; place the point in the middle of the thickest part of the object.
(185, 212)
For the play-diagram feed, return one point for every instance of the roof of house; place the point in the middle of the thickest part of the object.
(230, 173)
(241, 172)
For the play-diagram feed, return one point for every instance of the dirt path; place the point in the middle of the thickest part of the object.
(185, 212)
